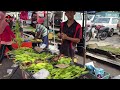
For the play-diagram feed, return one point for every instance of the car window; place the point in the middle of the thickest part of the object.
(108, 14)
(102, 20)
(114, 20)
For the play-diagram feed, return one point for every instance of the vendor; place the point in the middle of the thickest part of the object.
(41, 31)
(6, 36)
(71, 34)
(34, 19)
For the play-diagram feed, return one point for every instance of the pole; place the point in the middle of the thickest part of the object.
(85, 37)
(53, 29)
(47, 26)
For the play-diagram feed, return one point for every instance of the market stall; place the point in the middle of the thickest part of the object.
(42, 64)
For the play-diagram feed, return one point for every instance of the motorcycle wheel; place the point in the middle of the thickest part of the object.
(103, 35)
(111, 33)
(88, 36)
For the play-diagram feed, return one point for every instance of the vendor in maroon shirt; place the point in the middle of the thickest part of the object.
(70, 35)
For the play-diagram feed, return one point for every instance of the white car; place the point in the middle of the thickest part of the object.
(79, 18)
(90, 18)
(110, 22)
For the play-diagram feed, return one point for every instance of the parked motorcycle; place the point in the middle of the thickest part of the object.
(97, 31)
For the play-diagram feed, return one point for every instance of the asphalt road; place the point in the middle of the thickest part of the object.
(114, 40)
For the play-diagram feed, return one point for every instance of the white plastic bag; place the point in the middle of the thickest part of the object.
(43, 46)
(42, 74)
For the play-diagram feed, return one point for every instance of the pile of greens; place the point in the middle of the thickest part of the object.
(25, 55)
(70, 72)
(44, 56)
(29, 57)
(22, 50)
(64, 60)
(36, 67)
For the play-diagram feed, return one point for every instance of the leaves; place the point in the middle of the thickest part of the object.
(70, 72)
(64, 60)
(18, 34)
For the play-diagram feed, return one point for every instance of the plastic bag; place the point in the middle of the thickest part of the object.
(99, 72)
(42, 74)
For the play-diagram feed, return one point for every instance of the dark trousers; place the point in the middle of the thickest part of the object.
(45, 40)
(2, 50)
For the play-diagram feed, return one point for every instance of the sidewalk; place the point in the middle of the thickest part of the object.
(100, 43)
(103, 43)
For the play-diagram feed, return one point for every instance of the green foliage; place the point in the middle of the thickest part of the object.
(64, 60)
(18, 34)
(25, 54)
(36, 67)
(70, 72)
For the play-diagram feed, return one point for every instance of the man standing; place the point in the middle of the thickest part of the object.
(71, 34)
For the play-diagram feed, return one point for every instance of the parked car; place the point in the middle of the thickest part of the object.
(107, 14)
(110, 22)
(118, 27)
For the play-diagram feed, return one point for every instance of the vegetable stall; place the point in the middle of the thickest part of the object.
(42, 64)
(32, 62)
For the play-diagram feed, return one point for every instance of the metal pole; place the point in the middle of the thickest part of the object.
(47, 27)
(85, 37)
(53, 28)
(47, 20)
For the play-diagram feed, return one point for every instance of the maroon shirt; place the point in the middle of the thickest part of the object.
(7, 35)
(68, 47)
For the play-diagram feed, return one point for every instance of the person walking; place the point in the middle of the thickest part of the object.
(6, 36)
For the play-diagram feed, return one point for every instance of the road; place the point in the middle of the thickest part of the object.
(114, 40)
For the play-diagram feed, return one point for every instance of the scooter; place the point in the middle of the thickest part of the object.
(97, 31)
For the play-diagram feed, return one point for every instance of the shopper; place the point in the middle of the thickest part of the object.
(6, 36)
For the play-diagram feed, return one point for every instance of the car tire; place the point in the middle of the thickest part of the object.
(111, 32)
